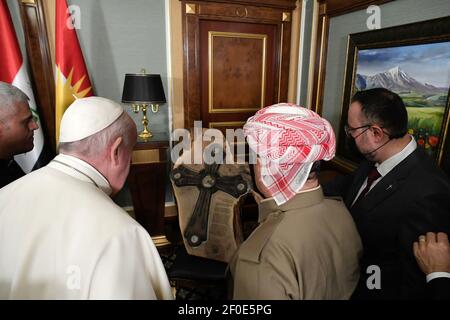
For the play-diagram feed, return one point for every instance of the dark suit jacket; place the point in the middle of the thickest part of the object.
(414, 198)
(439, 288)
(9, 172)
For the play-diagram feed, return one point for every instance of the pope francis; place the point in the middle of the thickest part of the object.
(61, 235)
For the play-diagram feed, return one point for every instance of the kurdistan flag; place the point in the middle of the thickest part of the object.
(13, 70)
(72, 79)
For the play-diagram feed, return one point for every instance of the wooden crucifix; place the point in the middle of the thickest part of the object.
(208, 181)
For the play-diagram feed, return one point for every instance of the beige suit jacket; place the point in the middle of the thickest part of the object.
(308, 248)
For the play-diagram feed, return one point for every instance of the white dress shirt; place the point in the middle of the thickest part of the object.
(435, 275)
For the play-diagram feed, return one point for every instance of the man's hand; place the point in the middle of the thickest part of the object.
(433, 253)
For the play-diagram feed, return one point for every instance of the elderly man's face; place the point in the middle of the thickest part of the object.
(17, 130)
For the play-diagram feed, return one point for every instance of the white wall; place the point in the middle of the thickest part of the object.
(119, 37)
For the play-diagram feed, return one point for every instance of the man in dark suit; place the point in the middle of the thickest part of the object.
(17, 127)
(432, 253)
(394, 196)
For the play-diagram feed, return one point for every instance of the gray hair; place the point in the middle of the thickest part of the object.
(94, 145)
(10, 96)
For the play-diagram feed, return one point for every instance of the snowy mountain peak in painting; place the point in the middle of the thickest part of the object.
(397, 80)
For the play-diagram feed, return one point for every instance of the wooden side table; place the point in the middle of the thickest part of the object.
(147, 182)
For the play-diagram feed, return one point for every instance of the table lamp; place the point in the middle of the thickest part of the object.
(142, 90)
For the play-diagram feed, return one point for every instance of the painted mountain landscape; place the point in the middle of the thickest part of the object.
(420, 74)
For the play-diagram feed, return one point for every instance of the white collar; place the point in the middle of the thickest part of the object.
(387, 165)
(81, 170)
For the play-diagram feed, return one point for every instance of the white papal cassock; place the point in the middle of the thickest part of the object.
(69, 240)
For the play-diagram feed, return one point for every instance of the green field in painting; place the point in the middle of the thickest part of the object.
(429, 119)
(413, 99)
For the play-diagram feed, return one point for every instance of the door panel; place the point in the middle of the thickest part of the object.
(237, 67)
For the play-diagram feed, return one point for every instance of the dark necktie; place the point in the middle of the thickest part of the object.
(371, 177)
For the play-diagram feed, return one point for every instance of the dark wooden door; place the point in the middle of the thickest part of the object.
(236, 59)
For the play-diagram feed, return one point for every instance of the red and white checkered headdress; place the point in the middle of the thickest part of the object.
(288, 139)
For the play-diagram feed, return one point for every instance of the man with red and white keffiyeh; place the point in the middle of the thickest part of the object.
(306, 246)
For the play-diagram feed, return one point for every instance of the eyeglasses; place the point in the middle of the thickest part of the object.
(348, 130)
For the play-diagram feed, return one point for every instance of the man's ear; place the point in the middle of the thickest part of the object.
(115, 149)
(378, 132)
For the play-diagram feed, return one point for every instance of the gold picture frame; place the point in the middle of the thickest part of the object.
(383, 44)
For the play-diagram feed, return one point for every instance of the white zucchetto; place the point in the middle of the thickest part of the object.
(87, 116)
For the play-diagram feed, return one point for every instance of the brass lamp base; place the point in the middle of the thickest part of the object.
(145, 134)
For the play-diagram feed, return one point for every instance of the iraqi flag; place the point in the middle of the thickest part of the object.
(72, 79)
(13, 70)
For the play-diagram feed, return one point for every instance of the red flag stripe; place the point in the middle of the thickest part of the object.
(68, 50)
(11, 57)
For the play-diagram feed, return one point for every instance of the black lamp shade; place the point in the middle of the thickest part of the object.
(143, 88)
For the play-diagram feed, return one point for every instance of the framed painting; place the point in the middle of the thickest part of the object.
(413, 61)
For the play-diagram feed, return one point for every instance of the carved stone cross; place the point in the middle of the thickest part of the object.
(208, 181)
